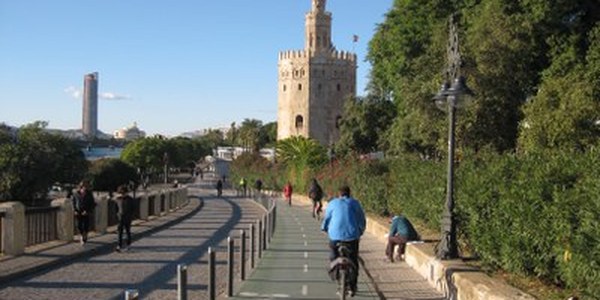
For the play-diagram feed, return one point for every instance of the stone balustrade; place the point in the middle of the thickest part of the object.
(13, 230)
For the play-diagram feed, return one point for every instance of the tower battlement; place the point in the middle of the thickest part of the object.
(335, 55)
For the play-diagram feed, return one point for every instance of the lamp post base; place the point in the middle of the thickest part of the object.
(448, 246)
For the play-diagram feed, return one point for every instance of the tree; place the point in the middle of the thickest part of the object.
(109, 173)
(249, 133)
(147, 154)
(363, 123)
(268, 135)
(34, 160)
(301, 152)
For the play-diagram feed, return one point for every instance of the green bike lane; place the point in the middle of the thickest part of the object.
(295, 264)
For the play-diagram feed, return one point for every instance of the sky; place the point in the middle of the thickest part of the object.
(170, 66)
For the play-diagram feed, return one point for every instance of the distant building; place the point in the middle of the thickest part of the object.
(315, 82)
(90, 105)
(129, 133)
(231, 153)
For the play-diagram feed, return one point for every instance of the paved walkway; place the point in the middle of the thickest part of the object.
(294, 267)
(95, 271)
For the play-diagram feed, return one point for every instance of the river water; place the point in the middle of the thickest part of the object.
(101, 152)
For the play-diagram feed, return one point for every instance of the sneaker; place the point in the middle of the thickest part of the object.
(81, 240)
(388, 260)
(118, 249)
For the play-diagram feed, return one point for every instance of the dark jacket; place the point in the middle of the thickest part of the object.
(83, 202)
(315, 192)
(125, 207)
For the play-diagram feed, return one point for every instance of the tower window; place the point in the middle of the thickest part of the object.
(299, 86)
(284, 87)
(319, 86)
(339, 87)
(299, 122)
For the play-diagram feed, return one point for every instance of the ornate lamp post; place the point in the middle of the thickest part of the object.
(449, 98)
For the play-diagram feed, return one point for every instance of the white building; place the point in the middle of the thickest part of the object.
(129, 133)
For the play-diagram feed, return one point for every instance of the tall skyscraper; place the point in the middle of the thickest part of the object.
(90, 105)
(314, 82)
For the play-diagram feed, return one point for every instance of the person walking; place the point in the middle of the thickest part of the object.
(83, 206)
(401, 232)
(258, 186)
(287, 193)
(219, 188)
(243, 185)
(344, 222)
(315, 193)
(125, 208)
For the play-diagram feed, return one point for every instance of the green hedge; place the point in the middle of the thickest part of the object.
(534, 214)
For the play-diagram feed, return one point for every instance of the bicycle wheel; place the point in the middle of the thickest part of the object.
(343, 287)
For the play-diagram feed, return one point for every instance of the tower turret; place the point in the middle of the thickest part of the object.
(318, 28)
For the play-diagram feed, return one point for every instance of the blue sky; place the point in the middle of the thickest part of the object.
(171, 66)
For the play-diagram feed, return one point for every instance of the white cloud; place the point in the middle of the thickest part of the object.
(78, 94)
(74, 92)
(113, 96)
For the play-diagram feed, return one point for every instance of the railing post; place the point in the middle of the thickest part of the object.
(64, 219)
(252, 245)
(143, 206)
(100, 219)
(260, 239)
(242, 255)
(14, 235)
(181, 282)
(211, 275)
(132, 294)
(230, 264)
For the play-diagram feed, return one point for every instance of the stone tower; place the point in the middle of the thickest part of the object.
(90, 105)
(314, 83)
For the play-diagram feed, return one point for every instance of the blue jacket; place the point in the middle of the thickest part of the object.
(401, 226)
(344, 219)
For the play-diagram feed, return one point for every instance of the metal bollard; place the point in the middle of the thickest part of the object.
(230, 264)
(260, 240)
(181, 282)
(252, 245)
(211, 275)
(242, 255)
(132, 294)
(274, 218)
(264, 233)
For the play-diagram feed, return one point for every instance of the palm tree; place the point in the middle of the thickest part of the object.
(301, 152)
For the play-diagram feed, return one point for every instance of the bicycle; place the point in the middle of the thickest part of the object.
(343, 270)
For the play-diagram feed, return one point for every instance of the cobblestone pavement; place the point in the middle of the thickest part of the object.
(151, 264)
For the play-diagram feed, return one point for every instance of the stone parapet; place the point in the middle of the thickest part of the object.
(13, 235)
(65, 218)
(455, 278)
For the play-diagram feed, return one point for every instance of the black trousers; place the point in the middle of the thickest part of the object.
(124, 225)
(83, 225)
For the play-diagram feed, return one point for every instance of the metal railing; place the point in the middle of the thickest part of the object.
(41, 224)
